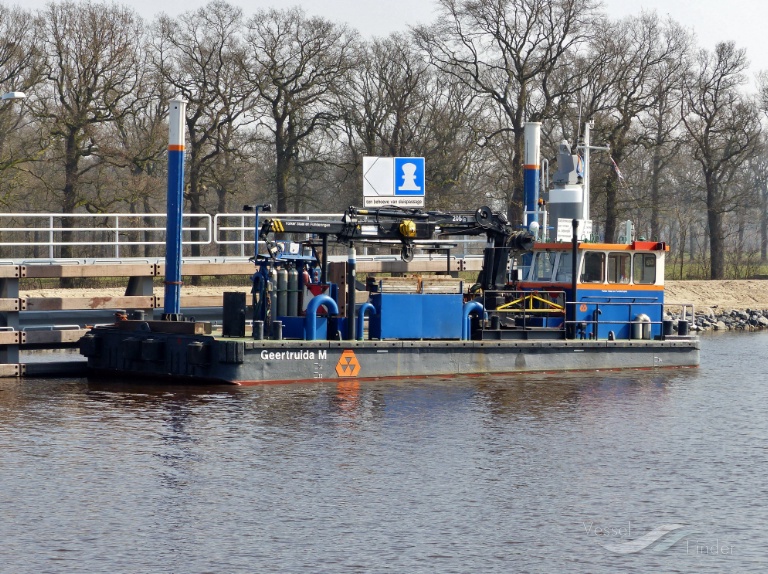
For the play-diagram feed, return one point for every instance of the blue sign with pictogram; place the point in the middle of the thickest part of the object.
(393, 181)
(409, 176)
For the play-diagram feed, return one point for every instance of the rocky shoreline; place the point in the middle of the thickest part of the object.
(730, 305)
(724, 320)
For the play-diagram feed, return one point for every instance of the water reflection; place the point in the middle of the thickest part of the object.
(461, 474)
(534, 395)
(347, 399)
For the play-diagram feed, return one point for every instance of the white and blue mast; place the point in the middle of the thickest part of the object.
(175, 208)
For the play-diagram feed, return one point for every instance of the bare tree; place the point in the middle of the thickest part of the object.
(200, 55)
(756, 182)
(395, 104)
(662, 135)
(92, 56)
(296, 65)
(630, 66)
(723, 128)
(386, 95)
(19, 71)
(762, 177)
(515, 53)
(135, 148)
(454, 121)
(762, 186)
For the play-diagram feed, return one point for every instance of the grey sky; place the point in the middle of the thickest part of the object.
(712, 20)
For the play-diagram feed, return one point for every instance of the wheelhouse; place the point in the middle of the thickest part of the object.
(617, 286)
(639, 264)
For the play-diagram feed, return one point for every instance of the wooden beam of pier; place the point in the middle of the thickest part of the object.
(10, 337)
(45, 271)
(10, 271)
(11, 304)
(188, 301)
(12, 370)
(216, 269)
(52, 337)
(92, 270)
(77, 303)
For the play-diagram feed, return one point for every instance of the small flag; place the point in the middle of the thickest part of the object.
(616, 167)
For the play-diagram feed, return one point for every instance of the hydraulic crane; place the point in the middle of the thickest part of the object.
(371, 226)
(408, 226)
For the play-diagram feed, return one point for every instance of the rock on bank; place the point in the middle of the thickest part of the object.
(723, 305)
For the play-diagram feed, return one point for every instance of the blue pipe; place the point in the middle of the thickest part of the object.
(367, 306)
(531, 190)
(310, 320)
(469, 308)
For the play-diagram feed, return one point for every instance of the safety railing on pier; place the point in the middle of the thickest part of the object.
(119, 235)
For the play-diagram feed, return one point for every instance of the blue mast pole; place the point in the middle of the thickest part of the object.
(175, 208)
(531, 173)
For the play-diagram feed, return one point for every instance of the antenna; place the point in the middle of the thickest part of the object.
(578, 129)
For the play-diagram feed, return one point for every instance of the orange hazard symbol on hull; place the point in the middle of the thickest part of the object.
(348, 365)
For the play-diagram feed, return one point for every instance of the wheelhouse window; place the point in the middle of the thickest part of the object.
(619, 267)
(645, 268)
(564, 268)
(543, 265)
(594, 267)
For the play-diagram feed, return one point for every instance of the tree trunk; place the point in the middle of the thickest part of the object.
(194, 195)
(221, 207)
(195, 207)
(691, 246)
(682, 252)
(716, 238)
(655, 192)
(148, 222)
(741, 215)
(612, 189)
(515, 207)
(69, 201)
(611, 214)
(281, 180)
(764, 224)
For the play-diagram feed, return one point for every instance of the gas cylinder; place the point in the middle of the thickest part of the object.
(272, 294)
(293, 292)
(282, 292)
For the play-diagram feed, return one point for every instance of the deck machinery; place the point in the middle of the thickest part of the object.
(441, 312)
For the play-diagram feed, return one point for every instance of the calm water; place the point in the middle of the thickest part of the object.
(519, 474)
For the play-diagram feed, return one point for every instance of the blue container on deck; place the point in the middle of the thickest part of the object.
(293, 327)
(416, 316)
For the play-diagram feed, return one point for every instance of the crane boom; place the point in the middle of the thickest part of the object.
(359, 225)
